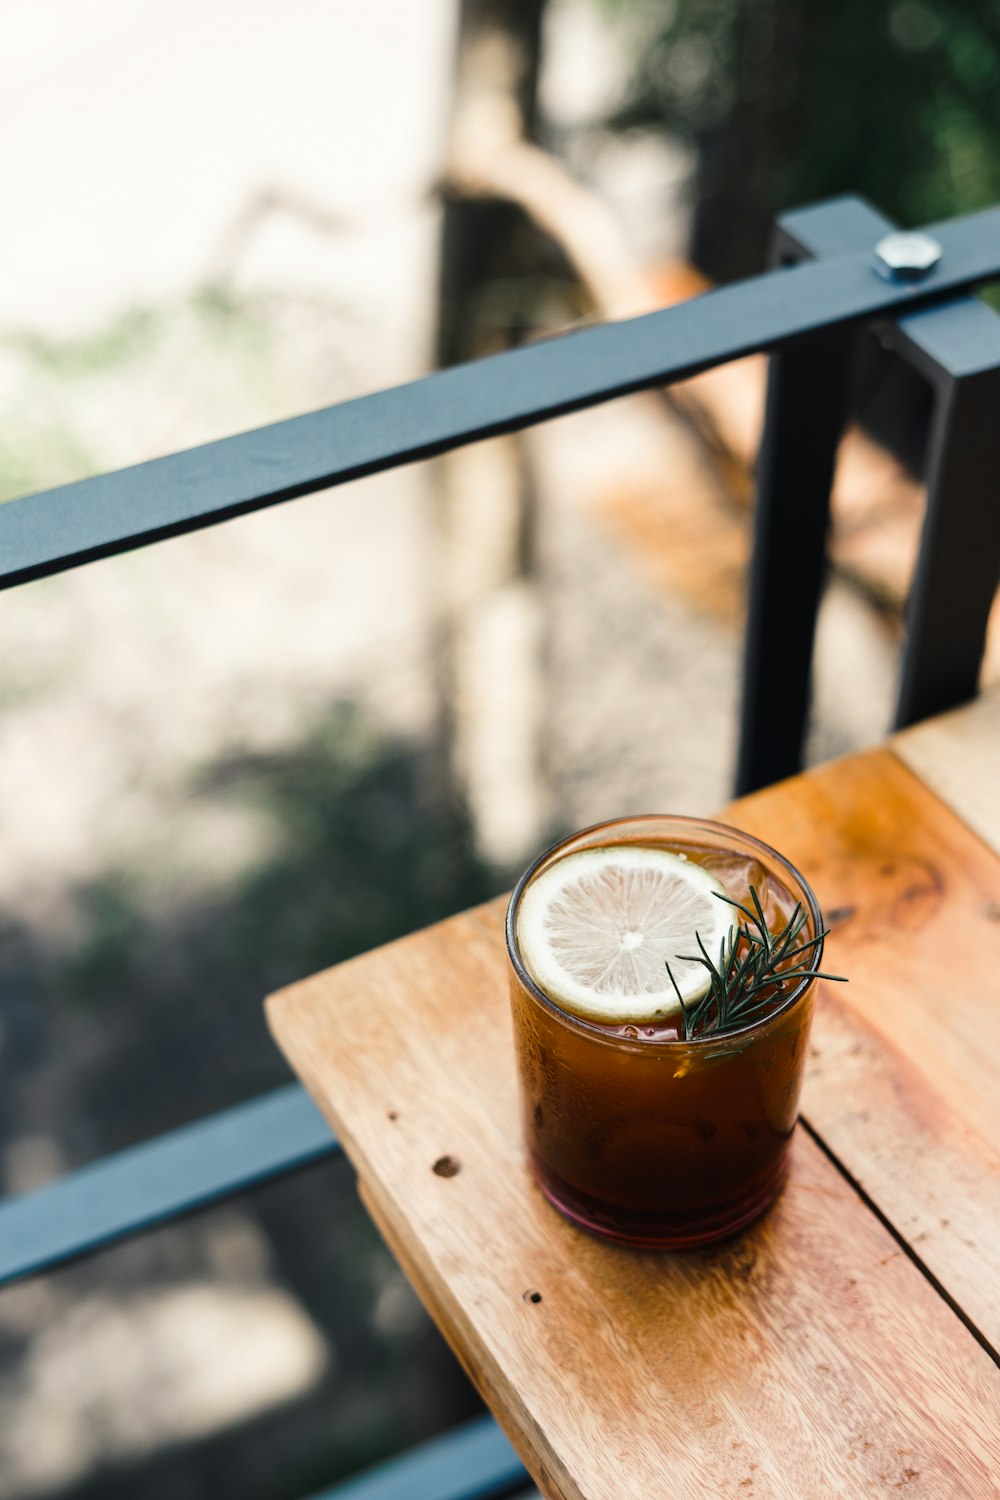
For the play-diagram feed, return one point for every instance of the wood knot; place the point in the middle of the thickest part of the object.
(447, 1166)
(913, 892)
(531, 1296)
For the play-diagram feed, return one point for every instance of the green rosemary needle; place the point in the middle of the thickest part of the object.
(746, 981)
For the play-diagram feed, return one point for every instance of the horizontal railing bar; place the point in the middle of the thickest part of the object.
(47, 532)
(473, 1462)
(160, 1179)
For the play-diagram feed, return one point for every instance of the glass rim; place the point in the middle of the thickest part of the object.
(595, 1029)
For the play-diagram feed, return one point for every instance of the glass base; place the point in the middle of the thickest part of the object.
(661, 1231)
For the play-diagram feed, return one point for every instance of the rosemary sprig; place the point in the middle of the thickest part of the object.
(745, 983)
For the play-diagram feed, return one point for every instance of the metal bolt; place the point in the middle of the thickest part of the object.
(906, 257)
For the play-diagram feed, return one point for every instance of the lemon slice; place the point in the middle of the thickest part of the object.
(597, 928)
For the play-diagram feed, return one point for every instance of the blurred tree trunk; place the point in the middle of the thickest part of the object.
(490, 622)
(747, 174)
(497, 68)
(743, 160)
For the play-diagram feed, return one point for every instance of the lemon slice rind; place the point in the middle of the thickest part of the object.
(596, 929)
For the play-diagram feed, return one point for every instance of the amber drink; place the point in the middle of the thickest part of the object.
(632, 1131)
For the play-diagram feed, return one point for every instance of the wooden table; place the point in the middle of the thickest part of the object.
(844, 1345)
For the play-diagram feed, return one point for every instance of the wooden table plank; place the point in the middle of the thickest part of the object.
(809, 1357)
(958, 756)
(902, 1080)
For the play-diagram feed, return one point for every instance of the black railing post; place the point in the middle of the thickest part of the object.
(806, 404)
(803, 422)
(958, 566)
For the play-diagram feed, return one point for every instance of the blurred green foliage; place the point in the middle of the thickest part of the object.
(788, 101)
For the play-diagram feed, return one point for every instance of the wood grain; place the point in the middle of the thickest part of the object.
(902, 1082)
(958, 756)
(808, 1358)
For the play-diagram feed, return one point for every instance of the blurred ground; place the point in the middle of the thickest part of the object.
(238, 756)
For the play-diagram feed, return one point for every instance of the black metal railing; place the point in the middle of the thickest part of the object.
(803, 312)
(955, 344)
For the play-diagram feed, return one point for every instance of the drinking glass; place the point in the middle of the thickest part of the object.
(633, 1132)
